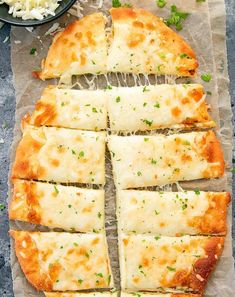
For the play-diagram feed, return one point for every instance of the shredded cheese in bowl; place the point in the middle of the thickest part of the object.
(31, 9)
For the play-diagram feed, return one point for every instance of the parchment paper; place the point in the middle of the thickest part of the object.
(205, 31)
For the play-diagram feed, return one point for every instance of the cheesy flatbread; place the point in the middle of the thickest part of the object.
(76, 109)
(159, 106)
(66, 207)
(63, 261)
(153, 262)
(149, 212)
(141, 161)
(141, 294)
(92, 294)
(142, 43)
(80, 48)
(60, 155)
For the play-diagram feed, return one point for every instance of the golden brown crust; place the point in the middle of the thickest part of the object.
(214, 220)
(26, 249)
(27, 209)
(69, 46)
(26, 150)
(169, 40)
(211, 150)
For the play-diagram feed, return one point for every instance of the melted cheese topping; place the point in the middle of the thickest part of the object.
(76, 109)
(141, 294)
(160, 106)
(93, 294)
(79, 261)
(81, 48)
(61, 155)
(160, 212)
(65, 207)
(153, 262)
(142, 43)
(140, 161)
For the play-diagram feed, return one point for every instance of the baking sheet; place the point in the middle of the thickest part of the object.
(205, 31)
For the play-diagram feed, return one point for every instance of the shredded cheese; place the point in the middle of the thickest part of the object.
(31, 9)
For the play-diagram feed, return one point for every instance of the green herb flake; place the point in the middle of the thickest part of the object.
(139, 173)
(2, 207)
(184, 55)
(146, 139)
(157, 237)
(81, 154)
(75, 244)
(69, 206)
(109, 279)
(87, 255)
(145, 89)
(73, 152)
(154, 162)
(157, 105)
(99, 215)
(116, 3)
(94, 110)
(156, 212)
(161, 3)
(206, 77)
(171, 268)
(197, 192)
(80, 281)
(147, 122)
(176, 18)
(56, 190)
(208, 93)
(118, 99)
(109, 87)
(99, 274)
(33, 51)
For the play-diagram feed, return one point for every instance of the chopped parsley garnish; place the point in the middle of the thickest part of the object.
(2, 207)
(116, 3)
(156, 212)
(69, 206)
(33, 51)
(118, 99)
(145, 89)
(99, 274)
(108, 87)
(170, 268)
(186, 142)
(157, 237)
(139, 173)
(154, 162)
(93, 62)
(146, 139)
(176, 18)
(208, 93)
(145, 103)
(99, 215)
(73, 152)
(109, 279)
(206, 77)
(200, 1)
(75, 244)
(56, 190)
(87, 255)
(197, 192)
(94, 110)
(147, 122)
(161, 3)
(157, 105)
(80, 281)
(183, 55)
(81, 154)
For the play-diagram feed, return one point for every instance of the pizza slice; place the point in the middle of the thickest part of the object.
(90, 294)
(54, 261)
(81, 48)
(60, 155)
(151, 263)
(76, 109)
(146, 294)
(159, 106)
(56, 206)
(142, 43)
(199, 213)
(142, 161)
